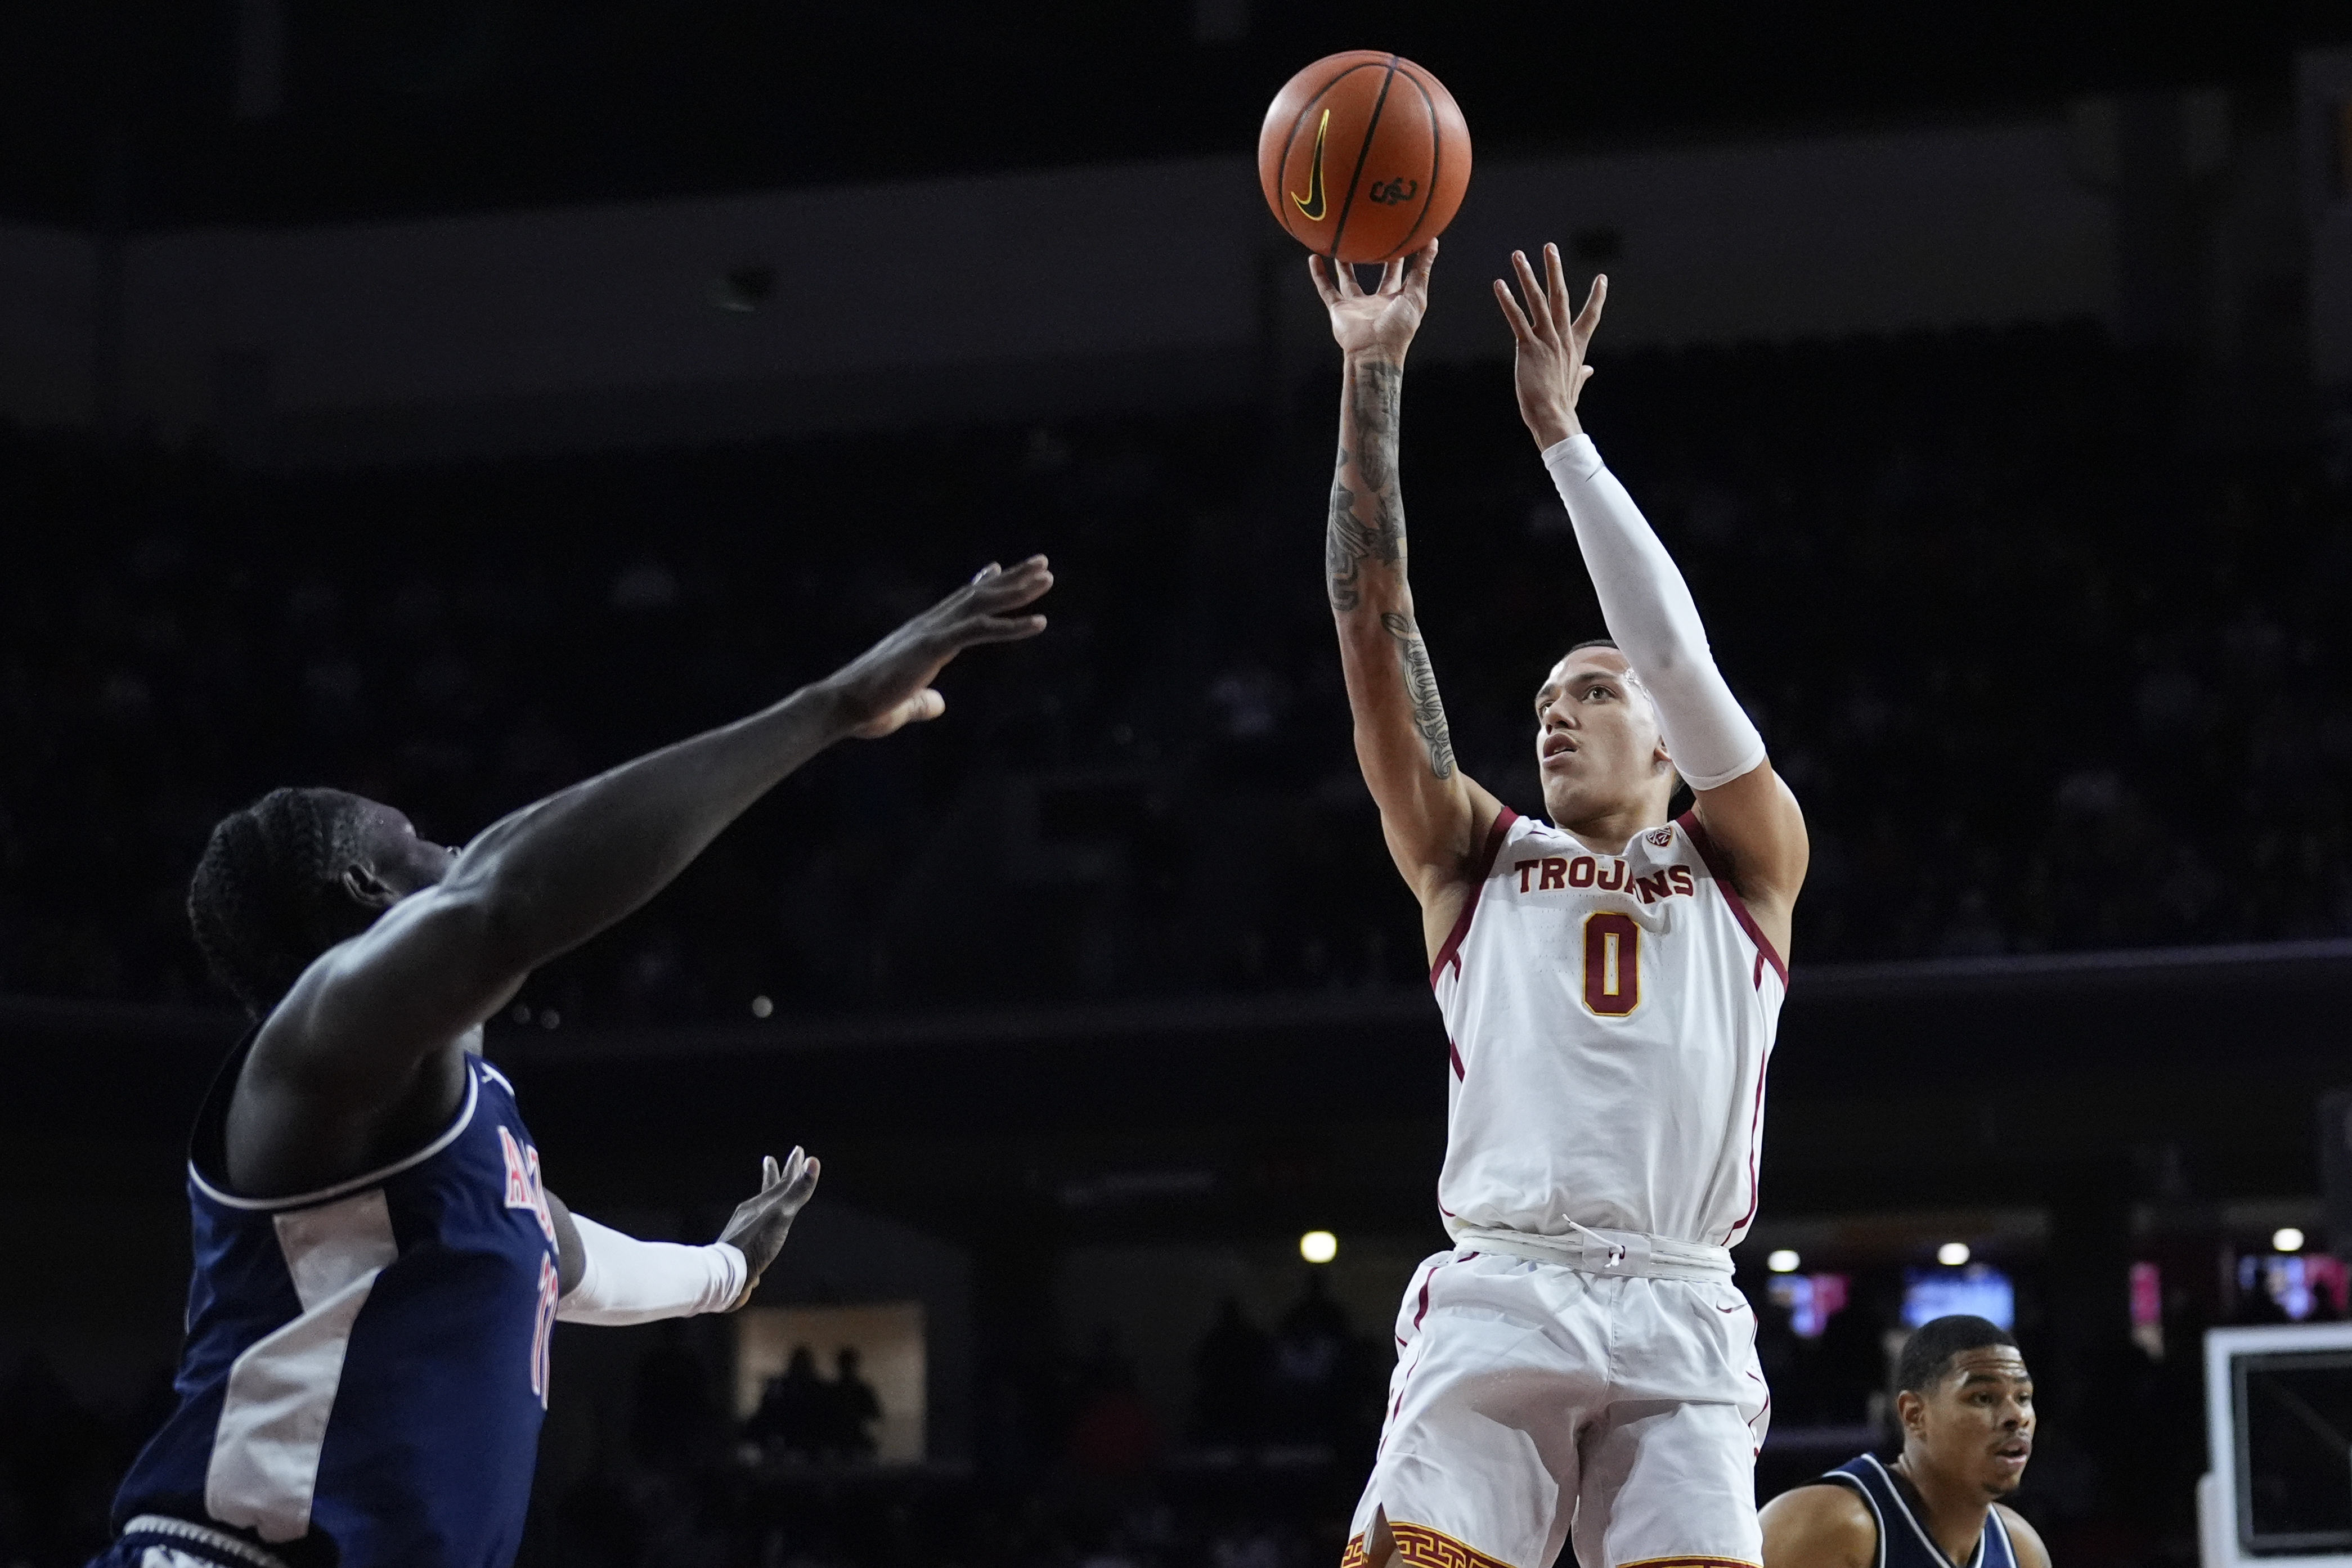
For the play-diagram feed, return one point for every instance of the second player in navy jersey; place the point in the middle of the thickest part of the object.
(1965, 1404)
(379, 1264)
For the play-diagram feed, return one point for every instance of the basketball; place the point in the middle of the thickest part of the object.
(1363, 156)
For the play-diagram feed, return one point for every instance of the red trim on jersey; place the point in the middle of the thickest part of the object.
(1715, 868)
(1454, 1053)
(1495, 837)
(1763, 1066)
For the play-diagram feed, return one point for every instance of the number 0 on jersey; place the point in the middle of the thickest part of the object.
(1612, 963)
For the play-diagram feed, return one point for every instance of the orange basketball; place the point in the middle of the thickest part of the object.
(1363, 156)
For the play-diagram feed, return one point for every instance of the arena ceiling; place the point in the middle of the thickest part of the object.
(139, 112)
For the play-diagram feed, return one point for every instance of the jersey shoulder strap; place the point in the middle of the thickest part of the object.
(1999, 1548)
(1451, 953)
(1903, 1541)
(1855, 1476)
(1718, 870)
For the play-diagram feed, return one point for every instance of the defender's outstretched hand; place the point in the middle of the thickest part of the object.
(1550, 369)
(762, 1222)
(889, 685)
(1384, 320)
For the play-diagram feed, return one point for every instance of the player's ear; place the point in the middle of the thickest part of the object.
(363, 887)
(1911, 1414)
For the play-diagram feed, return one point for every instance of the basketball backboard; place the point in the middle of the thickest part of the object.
(2278, 1406)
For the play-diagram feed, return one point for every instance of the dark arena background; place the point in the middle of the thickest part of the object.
(445, 401)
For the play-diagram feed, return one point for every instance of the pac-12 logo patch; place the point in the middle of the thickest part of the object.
(1663, 837)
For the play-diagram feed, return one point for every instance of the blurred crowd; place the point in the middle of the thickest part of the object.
(2048, 668)
(803, 1414)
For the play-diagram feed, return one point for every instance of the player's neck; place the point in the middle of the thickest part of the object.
(1954, 1512)
(1606, 833)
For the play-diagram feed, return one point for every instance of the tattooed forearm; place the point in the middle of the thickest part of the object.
(1374, 391)
(1377, 531)
(1388, 527)
(1421, 686)
(1346, 543)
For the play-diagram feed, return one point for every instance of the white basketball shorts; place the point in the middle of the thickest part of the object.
(1530, 1399)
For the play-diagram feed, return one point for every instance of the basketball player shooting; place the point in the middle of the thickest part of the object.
(1610, 982)
(378, 1265)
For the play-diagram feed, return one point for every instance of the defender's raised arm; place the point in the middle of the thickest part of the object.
(1743, 805)
(1433, 817)
(550, 877)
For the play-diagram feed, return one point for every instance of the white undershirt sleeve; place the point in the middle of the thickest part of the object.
(631, 1282)
(1653, 621)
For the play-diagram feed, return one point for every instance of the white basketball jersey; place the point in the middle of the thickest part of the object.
(1611, 1017)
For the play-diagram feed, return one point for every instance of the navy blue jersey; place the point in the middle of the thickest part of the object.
(366, 1365)
(1903, 1541)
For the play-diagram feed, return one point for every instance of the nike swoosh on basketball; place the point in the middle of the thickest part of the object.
(1310, 205)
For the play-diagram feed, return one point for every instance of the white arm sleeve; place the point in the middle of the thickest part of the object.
(631, 1282)
(1653, 621)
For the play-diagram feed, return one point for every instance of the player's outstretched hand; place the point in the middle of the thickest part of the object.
(888, 687)
(1550, 369)
(1384, 320)
(762, 1221)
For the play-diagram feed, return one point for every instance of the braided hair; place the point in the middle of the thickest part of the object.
(267, 897)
